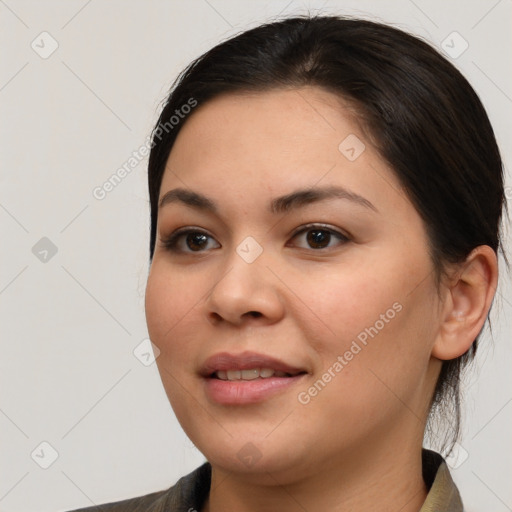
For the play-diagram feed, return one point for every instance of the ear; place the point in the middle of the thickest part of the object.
(468, 300)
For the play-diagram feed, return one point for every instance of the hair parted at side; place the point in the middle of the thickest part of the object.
(422, 115)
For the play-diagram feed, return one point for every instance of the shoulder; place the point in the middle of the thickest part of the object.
(443, 494)
(189, 492)
(154, 502)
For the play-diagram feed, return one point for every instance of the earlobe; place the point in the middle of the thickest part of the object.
(468, 300)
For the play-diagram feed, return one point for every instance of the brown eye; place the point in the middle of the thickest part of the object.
(188, 241)
(320, 237)
(196, 241)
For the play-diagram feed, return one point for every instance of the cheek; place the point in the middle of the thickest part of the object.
(377, 323)
(349, 303)
(384, 337)
(169, 303)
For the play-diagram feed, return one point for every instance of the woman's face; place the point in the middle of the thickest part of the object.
(305, 259)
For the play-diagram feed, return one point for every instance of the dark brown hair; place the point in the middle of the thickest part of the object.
(423, 116)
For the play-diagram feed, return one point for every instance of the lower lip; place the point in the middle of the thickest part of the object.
(239, 392)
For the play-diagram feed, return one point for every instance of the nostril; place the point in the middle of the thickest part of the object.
(255, 314)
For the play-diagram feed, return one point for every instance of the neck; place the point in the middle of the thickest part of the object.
(386, 480)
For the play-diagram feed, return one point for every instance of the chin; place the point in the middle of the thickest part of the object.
(251, 455)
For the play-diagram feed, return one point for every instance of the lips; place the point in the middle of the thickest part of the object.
(247, 378)
(253, 373)
(246, 366)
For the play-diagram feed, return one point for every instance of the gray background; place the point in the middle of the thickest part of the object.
(71, 320)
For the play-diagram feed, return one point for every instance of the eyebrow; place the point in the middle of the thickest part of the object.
(281, 204)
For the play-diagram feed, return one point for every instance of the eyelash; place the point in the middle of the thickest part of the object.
(171, 243)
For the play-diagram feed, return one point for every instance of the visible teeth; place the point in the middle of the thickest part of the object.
(234, 374)
(250, 374)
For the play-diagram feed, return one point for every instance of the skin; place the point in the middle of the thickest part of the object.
(356, 445)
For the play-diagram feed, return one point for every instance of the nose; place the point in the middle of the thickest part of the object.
(246, 293)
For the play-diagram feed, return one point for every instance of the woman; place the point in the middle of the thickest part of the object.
(326, 196)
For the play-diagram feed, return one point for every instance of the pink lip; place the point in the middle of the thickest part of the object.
(240, 392)
(250, 391)
(244, 361)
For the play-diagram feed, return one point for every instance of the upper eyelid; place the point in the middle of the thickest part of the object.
(318, 225)
(296, 231)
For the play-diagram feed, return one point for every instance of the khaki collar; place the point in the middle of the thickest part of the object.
(443, 494)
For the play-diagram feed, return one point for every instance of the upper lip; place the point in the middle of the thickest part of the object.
(245, 361)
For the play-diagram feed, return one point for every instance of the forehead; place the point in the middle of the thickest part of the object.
(272, 130)
(246, 146)
(277, 117)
